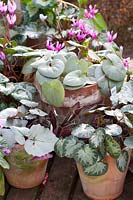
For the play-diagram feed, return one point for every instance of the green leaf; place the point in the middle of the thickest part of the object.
(41, 141)
(44, 3)
(3, 163)
(122, 161)
(113, 68)
(3, 142)
(99, 22)
(71, 144)
(3, 79)
(82, 1)
(127, 109)
(98, 169)
(113, 129)
(83, 131)
(7, 88)
(23, 90)
(50, 69)
(58, 148)
(87, 155)
(28, 67)
(128, 142)
(53, 92)
(98, 137)
(2, 183)
(113, 148)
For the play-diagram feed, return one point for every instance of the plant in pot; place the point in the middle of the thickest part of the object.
(26, 138)
(72, 67)
(102, 148)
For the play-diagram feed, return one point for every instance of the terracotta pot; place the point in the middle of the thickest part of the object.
(106, 187)
(24, 173)
(87, 95)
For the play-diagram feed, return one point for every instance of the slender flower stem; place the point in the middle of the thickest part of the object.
(67, 3)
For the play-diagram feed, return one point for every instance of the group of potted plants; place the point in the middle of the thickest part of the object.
(80, 69)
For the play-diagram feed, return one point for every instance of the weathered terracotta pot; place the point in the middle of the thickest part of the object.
(87, 95)
(106, 187)
(22, 173)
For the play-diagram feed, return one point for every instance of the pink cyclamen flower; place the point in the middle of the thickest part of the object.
(81, 36)
(3, 7)
(91, 13)
(126, 62)
(11, 19)
(58, 46)
(93, 34)
(71, 33)
(2, 56)
(93, 10)
(49, 45)
(6, 151)
(75, 23)
(11, 6)
(111, 37)
(54, 47)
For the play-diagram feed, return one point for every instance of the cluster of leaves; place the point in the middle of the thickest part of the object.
(57, 71)
(91, 155)
(89, 146)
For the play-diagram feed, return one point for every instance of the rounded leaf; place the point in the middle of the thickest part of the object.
(128, 142)
(53, 92)
(98, 169)
(83, 131)
(52, 69)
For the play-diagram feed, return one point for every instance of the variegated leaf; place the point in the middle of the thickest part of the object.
(113, 148)
(98, 137)
(86, 155)
(71, 144)
(58, 148)
(83, 131)
(122, 161)
(98, 169)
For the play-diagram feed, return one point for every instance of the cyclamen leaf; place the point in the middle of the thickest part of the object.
(128, 142)
(58, 148)
(71, 144)
(122, 161)
(83, 131)
(98, 137)
(3, 163)
(98, 169)
(113, 148)
(86, 155)
(53, 92)
(2, 183)
(3, 79)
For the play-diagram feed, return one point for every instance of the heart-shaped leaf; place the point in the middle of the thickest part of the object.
(113, 68)
(71, 144)
(87, 155)
(54, 93)
(51, 69)
(75, 78)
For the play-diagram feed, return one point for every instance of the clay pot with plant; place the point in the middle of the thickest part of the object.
(26, 138)
(102, 149)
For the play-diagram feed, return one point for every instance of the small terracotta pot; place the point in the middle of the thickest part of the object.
(106, 187)
(22, 173)
(87, 95)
